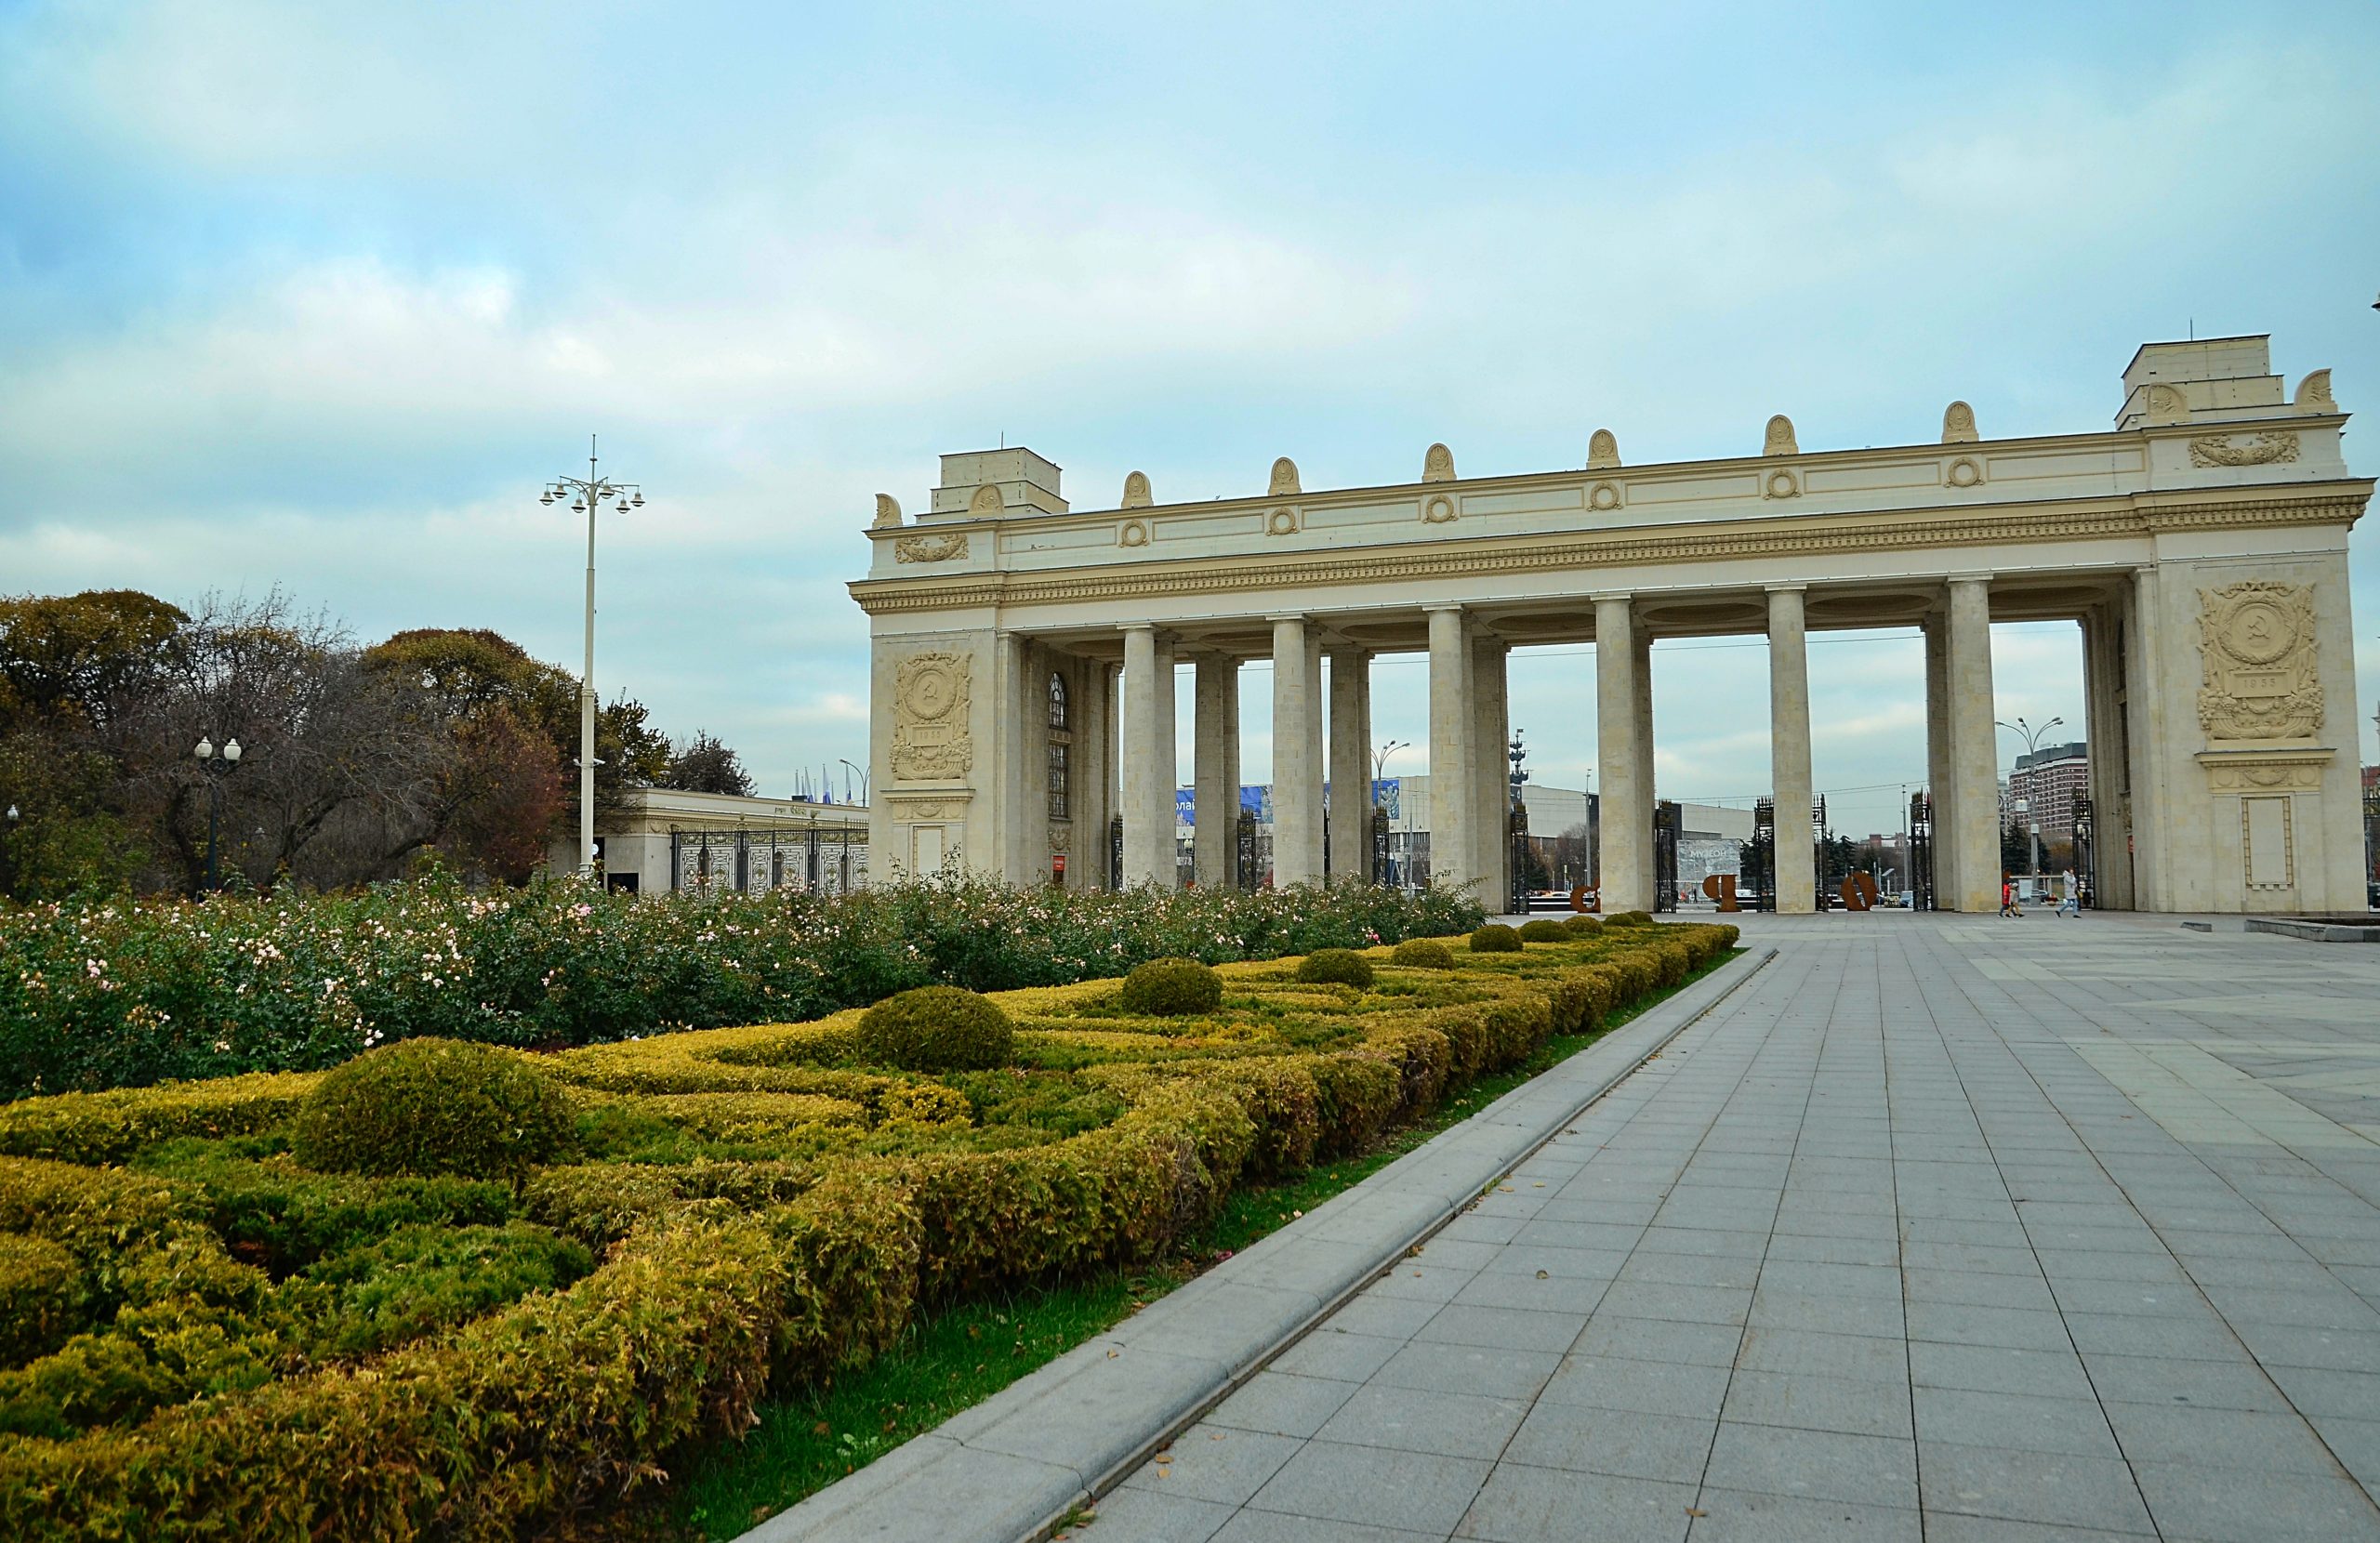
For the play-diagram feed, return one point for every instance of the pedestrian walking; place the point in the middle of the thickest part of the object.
(2008, 898)
(2072, 904)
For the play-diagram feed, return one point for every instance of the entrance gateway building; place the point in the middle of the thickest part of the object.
(1024, 653)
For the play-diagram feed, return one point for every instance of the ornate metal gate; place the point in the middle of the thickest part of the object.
(1667, 820)
(2086, 876)
(1921, 852)
(1763, 855)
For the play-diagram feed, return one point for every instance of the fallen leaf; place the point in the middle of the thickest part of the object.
(1545, 1275)
(1696, 1510)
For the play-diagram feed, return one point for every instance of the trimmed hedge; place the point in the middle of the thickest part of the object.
(1422, 954)
(935, 1029)
(1544, 930)
(251, 1349)
(431, 1106)
(1171, 988)
(1495, 937)
(1335, 966)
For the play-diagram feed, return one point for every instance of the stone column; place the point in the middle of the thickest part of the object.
(1490, 733)
(1647, 783)
(2101, 736)
(1148, 757)
(1215, 756)
(1625, 823)
(1450, 805)
(1351, 794)
(1975, 752)
(1939, 786)
(1789, 750)
(1093, 775)
(1297, 768)
(2145, 723)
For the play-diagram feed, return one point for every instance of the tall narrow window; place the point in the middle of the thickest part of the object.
(1061, 745)
(1058, 780)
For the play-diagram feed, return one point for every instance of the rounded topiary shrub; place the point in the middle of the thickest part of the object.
(1422, 954)
(433, 1106)
(1627, 918)
(1582, 925)
(1171, 988)
(935, 1029)
(1495, 937)
(1335, 966)
(1544, 930)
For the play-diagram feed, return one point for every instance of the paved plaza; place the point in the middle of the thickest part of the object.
(1941, 1227)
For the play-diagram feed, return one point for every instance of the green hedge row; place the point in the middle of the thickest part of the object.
(718, 1278)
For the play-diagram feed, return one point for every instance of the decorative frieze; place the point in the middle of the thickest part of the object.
(2242, 449)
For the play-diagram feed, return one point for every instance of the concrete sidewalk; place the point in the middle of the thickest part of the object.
(1947, 1228)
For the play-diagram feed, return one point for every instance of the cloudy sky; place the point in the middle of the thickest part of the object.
(315, 295)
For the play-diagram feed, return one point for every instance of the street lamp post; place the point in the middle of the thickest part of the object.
(1383, 863)
(217, 764)
(863, 778)
(588, 494)
(2032, 738)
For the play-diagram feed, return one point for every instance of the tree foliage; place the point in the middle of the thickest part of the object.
(707, 766)
(354, 759)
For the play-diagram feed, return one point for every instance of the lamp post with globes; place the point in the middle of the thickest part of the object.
(587, 494)
(218, 765)
(2032, 738)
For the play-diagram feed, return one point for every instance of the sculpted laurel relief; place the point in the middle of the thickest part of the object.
(930, 736)
(2256, 640)
(930, 548)
(2251, 450)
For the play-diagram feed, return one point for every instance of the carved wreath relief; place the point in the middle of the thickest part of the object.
(2257, 642)
(930, 736)
(2250, 450)
(930, 548)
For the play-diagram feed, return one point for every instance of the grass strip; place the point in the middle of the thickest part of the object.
(956, 1358)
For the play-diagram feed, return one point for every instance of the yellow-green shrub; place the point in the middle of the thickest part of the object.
(105, 1127)
(1544, 930)
(1581, 925)
(42, 1296)
(429, 1106)
(1335, 966)
(1171, 988)
(1422, 953)
(1495, 937)
(935, 1029)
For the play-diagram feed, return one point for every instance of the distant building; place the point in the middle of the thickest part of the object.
(663, 840)
(2049, 779)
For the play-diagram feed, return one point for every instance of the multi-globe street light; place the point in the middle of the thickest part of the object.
(217, 764)
(588, 494)
(2032, 738)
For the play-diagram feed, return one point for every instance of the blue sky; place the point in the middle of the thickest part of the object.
(316, 295)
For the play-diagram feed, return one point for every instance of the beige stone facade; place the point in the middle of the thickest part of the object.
(1025, 651)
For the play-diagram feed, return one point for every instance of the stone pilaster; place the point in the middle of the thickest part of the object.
(1625, 819)
(1974, 832)
(1491, 731)
(1350, 810)
(1148, 757)
(1297, 761)
(1789, 750)
(1451, 809)
(1215, 757)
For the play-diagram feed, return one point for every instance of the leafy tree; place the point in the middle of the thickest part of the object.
(81, 658)
(707, 766)
(2016, 847)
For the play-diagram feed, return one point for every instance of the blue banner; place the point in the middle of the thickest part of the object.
(1257, 798)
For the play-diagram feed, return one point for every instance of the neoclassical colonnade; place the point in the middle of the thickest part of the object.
(1025, 654)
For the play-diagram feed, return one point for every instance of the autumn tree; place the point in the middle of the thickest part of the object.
(707, 766)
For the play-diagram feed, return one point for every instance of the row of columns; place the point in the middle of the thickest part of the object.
(1470, 727)
(1305, 729)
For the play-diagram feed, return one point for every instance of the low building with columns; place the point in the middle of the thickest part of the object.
(1024, 651)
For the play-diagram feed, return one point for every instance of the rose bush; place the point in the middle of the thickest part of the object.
(129, 993)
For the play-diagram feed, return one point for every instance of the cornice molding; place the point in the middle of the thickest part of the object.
(1901, 529)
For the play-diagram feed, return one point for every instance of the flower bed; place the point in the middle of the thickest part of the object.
(127, 995)
(199, 1337)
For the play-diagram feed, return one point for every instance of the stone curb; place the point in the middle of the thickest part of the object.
(1012, 1467)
